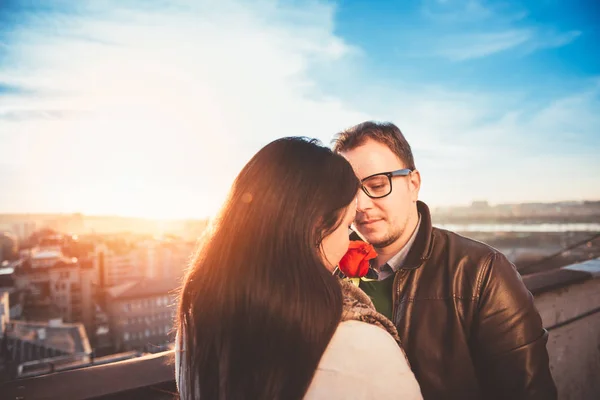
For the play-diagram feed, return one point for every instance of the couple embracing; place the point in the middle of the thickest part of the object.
(322, 277)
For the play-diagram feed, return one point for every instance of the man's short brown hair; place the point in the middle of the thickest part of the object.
(383, 132)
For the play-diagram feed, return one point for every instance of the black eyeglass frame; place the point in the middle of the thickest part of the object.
(390, 175)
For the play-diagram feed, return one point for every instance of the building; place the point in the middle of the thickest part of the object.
(141, 314)
(31, 348)
(56, 286)
(23, 229)
(9, 247)
(149, 258)
(164, 259)
(113, 266)
(4, 311)
(15, 296)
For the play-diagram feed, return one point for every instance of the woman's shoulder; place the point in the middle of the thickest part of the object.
(362, 342)
(363, 361)
(354, 328)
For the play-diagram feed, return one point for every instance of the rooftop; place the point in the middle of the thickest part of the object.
(46, 254)
(68, 338)
(152, 376)
(142, 288)
(7, 271)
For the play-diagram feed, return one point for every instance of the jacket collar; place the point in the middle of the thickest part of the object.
(423, 245)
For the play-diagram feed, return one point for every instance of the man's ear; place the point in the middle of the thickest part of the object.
(415, 184)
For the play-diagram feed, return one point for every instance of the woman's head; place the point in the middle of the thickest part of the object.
(293, 190)
(335, 244)
(259, 305)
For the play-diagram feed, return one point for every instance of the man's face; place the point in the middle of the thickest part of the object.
(382, 222)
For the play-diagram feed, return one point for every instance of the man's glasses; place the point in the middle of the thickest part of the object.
(379, 185)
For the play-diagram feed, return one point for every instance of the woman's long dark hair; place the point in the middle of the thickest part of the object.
(258, 306)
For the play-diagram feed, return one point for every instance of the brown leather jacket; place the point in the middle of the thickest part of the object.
(467, 322)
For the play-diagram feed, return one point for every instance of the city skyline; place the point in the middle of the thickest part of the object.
(568, 208)
(144, 109)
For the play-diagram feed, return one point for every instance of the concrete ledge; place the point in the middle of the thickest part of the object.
(91, 382)
(555, 279)
(566, 296)
(568, 301)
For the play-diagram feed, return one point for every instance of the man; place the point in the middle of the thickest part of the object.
(466, 320)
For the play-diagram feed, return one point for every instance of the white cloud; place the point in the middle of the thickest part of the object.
(549, 39)
(469, 46)
(499, 145)
(469, 12)
(461, 47)
(468, 29)
(165, 106)
(153, 112)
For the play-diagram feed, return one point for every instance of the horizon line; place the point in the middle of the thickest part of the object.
(124, 216)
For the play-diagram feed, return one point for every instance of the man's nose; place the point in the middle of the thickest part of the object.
(363, 202)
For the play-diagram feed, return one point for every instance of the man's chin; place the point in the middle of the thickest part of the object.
(378, 241)
(375, 240)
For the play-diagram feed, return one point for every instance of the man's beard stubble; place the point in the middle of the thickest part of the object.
(390, 238)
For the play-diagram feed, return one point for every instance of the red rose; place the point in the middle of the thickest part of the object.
(355, 263)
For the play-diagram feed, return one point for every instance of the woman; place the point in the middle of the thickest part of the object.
(260, 313)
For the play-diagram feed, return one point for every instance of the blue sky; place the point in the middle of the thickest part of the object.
(151, 108)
